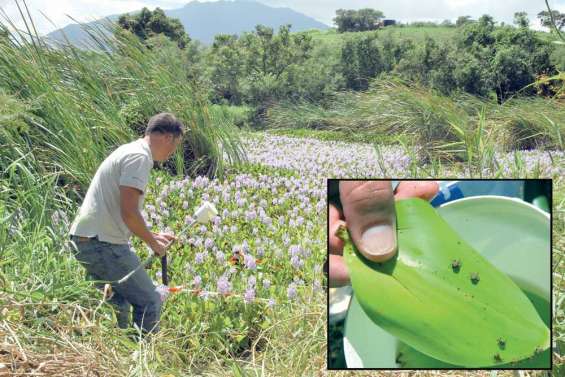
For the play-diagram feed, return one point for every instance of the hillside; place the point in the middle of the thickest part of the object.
(417, 34)
(203, 20)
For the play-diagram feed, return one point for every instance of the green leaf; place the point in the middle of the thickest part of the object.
(441, 311)
(408, 357)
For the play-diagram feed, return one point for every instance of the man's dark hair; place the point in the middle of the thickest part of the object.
(165, 123)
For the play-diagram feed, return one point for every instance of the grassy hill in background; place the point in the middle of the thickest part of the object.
(415, 33)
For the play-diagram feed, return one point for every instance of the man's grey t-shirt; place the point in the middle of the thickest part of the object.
(100, 213)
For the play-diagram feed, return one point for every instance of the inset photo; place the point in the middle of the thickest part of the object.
(433, 274)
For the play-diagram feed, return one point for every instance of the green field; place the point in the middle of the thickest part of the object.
(414, 33)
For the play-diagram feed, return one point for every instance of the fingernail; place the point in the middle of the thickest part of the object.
(379, 240)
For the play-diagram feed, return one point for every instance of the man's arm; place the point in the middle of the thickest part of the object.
(129, 200)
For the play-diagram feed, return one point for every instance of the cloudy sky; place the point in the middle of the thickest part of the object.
(323, 10)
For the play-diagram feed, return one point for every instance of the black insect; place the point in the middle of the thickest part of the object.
(497, 357)
(501, 343)
(475, 277)
(456, 265)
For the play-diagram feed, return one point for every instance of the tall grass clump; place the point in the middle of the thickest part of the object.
(87, 102)
(458, 127)
(532, 123)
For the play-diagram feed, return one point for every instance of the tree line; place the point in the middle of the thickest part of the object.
(263, 66)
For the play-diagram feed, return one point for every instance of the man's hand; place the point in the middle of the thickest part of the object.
(159, 246)
(368, 209)
(162, 243)
(169, 236)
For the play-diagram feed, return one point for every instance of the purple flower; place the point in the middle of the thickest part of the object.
(266, 283)
(197, 281)
(233, 229)
(208, 243)
(220, 257)
(224, 286)
(217, 220)
(294, 250)
(296, 262)
(199, 258)
(249, 262)
(271, 303)
(291, 291)
(185, 205)
(250, 215)
(249, 295)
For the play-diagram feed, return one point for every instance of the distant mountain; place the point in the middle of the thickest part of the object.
(203, 20)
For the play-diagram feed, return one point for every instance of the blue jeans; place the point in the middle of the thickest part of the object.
(108, 263)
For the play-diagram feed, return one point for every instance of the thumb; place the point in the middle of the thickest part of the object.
(368, 208)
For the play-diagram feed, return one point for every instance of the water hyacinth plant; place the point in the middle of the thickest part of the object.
(242, 263)
(320, 159)
(456, 319)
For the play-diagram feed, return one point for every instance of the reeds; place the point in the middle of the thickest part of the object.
(461, 127)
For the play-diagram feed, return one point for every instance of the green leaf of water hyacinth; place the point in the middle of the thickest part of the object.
(443, 298)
